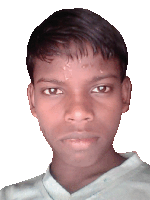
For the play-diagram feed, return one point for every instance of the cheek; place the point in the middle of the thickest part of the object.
(42, 112)
(48, 113)
(109, 115)
(46, 120)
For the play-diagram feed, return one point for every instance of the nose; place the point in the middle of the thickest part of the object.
(80, 111)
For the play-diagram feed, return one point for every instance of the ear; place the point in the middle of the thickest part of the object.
(30, 93)
(126, 94)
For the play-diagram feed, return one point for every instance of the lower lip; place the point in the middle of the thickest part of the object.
(81, 143)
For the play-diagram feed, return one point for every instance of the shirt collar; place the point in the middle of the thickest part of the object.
(57, 192)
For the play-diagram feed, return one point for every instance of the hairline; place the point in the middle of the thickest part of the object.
(50, 58)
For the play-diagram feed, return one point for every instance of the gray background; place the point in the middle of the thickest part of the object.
(24, 152)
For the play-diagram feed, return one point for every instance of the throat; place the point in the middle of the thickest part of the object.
(74, 187)
(73, 179)
(77, 183)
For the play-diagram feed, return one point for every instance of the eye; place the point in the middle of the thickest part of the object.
(52, 91)
(101, 89)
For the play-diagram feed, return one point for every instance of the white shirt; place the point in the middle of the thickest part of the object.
(129, 181)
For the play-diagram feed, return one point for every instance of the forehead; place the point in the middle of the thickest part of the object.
(65, 68)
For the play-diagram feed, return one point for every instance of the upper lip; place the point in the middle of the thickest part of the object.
(79, 135)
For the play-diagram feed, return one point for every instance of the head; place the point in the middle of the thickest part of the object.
(55, 35)
(77, 63)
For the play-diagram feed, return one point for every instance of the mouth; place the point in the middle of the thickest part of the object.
(79, 136)
(80, 141)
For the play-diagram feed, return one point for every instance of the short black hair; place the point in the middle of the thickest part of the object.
(55, 35)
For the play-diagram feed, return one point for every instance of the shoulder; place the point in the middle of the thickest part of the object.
(135, 184)
(141, 174)
(134, 168)
(29, 189)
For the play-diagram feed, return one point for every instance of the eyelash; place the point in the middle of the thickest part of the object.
(56, 91)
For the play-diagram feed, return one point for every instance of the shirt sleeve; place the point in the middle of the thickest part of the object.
(2, 194)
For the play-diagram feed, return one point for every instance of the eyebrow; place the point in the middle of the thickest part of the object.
(94, 79)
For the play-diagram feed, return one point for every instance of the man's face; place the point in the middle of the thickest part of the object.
(76, 100)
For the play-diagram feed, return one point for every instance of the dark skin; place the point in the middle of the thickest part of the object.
(80, 97)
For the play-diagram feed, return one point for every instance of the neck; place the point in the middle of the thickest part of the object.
(73, 178)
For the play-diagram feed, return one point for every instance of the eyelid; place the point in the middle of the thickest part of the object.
(58, 89)
(107, 88)
(55, 89)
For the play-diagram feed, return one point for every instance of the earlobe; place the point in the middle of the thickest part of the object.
(126, 94)
(30, 93)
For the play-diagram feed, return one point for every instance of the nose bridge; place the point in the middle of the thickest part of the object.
(79, 108)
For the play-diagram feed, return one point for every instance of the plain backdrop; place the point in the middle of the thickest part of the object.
(24, 152)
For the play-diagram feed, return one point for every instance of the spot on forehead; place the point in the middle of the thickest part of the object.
(87, 65)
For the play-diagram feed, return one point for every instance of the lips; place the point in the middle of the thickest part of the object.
(79, 136)
(80, 141)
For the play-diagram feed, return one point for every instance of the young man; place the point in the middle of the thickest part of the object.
(79, 89)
